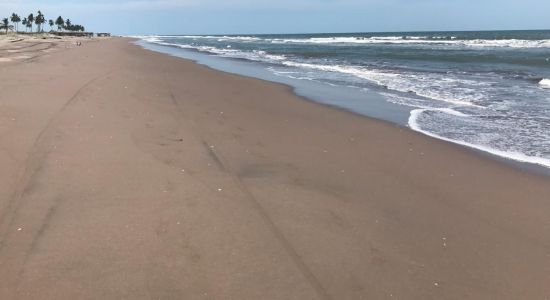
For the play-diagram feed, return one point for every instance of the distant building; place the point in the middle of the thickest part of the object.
(103, 34)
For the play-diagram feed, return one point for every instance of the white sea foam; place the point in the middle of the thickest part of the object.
(545, 83)
(430, 87)
(256, 55)
(414, 102)
(513, 155)
(238, 38)
(444, 41)
(218, 38)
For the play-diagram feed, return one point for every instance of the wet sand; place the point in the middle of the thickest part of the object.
(128, 174)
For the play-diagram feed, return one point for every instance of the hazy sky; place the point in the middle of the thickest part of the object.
(289, 16)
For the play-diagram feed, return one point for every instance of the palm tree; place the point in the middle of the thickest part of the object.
(68, 24)
(15, 19)
(60, 23)
(40, 19)
(51, 23)
(30, 20)
(24, 23)
(6, 25)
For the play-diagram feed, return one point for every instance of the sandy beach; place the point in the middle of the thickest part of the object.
(128, 174)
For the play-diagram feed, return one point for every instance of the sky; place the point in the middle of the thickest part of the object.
(144, 17)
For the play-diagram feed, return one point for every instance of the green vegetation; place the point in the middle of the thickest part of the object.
(39, 20)
(15, 19)
(30, 21)
(5, 25)
(60, 23)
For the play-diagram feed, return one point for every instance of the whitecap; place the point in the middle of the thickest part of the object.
(545, 83)
(420, 40)
(404, 83)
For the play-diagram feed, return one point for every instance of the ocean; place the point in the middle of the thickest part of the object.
(486, 90)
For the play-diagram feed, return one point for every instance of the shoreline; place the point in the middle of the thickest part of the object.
(149, 176)
(522, 165)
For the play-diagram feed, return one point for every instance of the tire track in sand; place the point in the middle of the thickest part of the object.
(224, 167)
(36, 155)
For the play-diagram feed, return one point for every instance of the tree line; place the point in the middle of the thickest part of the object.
(39, 20)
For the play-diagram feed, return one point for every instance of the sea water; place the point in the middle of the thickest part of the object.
(486, 90)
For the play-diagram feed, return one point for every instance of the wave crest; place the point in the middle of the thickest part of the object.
(512, 155)
(545, 83)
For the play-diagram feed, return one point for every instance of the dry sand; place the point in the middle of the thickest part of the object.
(18, 48)
(127, 174)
